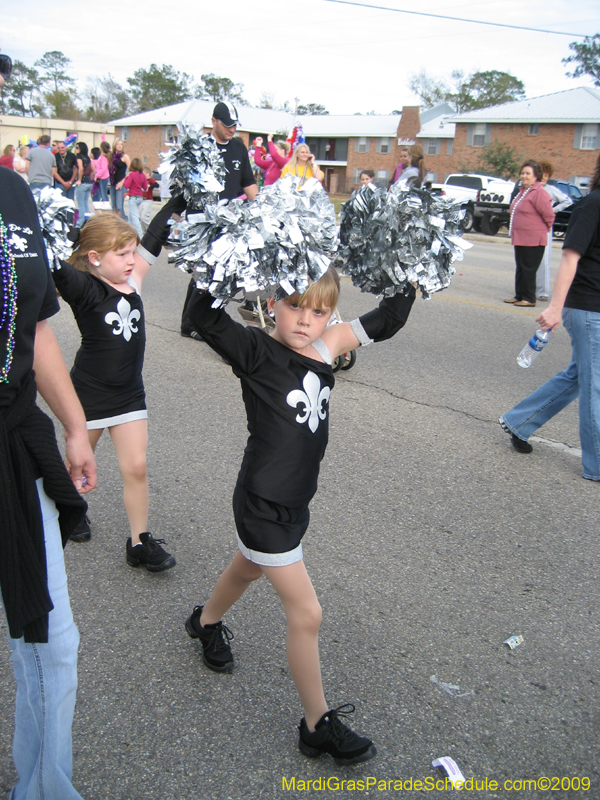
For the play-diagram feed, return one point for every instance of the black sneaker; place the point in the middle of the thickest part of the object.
(82, 532)
(214, 639)
(520, 445)
(191, 334)
(333, 737)
(149, 554)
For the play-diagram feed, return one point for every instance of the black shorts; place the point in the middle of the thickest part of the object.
(268, 534)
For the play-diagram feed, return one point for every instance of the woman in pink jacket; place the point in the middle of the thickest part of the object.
(531, 217)
(274, 162)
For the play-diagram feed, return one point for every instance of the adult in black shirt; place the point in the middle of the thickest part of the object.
(66, 171)
(239, 180)
(39, 504)
(576, 298)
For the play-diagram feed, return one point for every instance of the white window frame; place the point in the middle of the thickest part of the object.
(124, 133)
(533, 129)
(589, 136)
(384, 142)
(479, 130)
(361, 144)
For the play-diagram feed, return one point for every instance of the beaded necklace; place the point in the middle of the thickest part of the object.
(514, 209)
(8, 314)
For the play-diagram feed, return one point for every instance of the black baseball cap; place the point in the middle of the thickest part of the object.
(226, 113)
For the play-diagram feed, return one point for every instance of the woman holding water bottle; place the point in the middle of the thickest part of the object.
(575, 299)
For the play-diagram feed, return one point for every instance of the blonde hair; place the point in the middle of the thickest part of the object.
(320, 294)
(283, 144)
(101, 233)
(293, 162)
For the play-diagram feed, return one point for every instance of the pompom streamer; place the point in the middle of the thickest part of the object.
(52, 208)
(278, 242)
(391, 239)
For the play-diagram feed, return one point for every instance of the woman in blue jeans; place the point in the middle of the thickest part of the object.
(117, 167)
(84, 182)
(39, 502)
(576, 298)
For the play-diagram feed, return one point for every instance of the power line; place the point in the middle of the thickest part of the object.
(455, 19)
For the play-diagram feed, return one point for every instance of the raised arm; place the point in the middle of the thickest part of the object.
(375, 326)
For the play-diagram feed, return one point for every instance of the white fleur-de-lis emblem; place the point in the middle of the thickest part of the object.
(125, 320)
(18, 242)
(312, 398)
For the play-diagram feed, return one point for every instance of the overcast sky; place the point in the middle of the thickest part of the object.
(350, 59)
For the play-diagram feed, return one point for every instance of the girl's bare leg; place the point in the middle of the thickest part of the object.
(232, 584)
(131, 442)
(303, 613)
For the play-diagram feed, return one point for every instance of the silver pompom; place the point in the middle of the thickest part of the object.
(53, 206)
(391, 239)
(196, 167)
(283, 239)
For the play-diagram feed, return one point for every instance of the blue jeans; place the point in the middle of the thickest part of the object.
(117, 200)
(134, 213)
(83, 193)
(46, 676)
(103, 189)
(580, 379)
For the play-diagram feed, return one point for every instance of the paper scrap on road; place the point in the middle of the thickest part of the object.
(451, 767)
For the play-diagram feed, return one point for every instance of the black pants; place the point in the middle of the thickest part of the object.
(527, 259)
(186, 323)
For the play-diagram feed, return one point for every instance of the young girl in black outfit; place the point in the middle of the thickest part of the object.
(101, 284)
(286, 383)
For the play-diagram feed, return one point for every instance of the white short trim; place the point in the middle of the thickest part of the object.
(270, 559)
(120, 419)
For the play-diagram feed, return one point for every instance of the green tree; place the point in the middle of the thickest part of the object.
(106, 99)
(478, 90)
(501, 159)
(61, 103)
(21, 95)
(586, 55)
(485, 89)
(54, 65)
(159, 86)
(215, 88)
(311, 108)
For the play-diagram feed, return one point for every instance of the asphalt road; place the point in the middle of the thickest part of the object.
(431, 542)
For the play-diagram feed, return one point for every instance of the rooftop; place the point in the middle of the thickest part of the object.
(580, 105)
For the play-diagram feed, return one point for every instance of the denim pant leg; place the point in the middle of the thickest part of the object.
(117, 199)
(82, 196)
(531, 413)
(103, 183)
(46, 676)
(134, 213)
(584, 330)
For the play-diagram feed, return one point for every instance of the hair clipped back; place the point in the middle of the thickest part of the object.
(101, 233)
(323, 293)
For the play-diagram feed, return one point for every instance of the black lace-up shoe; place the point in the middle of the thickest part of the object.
(82, 532)
(214, 639)
(520, 445)
(149, 554)
(333, 737)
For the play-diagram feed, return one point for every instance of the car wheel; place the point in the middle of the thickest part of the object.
(489, 227)
(468, 221)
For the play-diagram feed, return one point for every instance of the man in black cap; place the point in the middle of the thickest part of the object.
(239, 179)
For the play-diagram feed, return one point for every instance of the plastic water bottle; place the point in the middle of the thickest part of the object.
(533, 348)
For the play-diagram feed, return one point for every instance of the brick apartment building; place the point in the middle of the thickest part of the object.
(562, 128)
